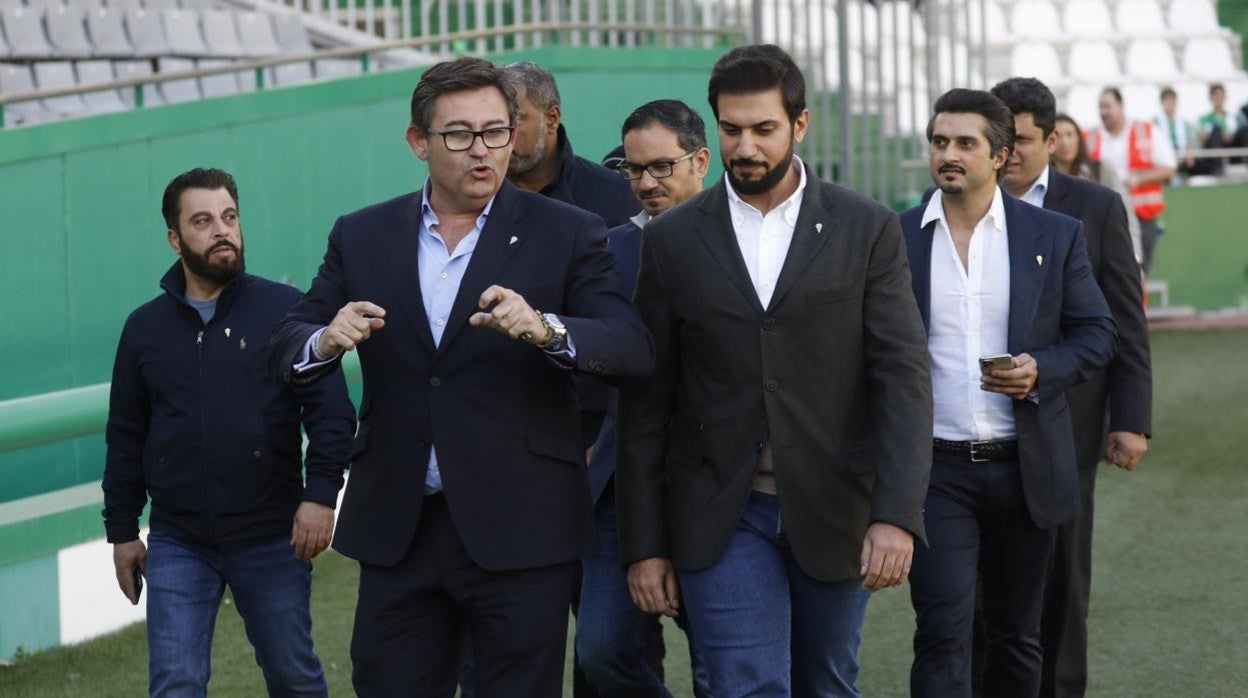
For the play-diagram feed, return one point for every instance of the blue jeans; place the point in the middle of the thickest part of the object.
(765, 628)
(271, 589)
(612, 635)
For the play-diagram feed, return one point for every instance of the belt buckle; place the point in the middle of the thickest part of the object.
(975, 456)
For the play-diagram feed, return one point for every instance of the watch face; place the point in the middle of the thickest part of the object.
(554, 320)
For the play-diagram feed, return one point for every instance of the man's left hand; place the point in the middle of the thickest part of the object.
(1016, 382)
(313, 530)
(1125, 449)
(510, 315)
(887, 552)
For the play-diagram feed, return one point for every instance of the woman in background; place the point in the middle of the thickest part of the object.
(1071, 157)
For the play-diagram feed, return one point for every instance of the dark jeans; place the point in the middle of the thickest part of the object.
(271, 588)
(978, 526)
(765, 628)
(615, 641)
(410, 620)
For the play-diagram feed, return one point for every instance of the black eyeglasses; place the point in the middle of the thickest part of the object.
(497, 137)
(658, 170)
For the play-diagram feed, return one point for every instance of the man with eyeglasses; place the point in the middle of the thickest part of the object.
(467, 505)
(620, 648)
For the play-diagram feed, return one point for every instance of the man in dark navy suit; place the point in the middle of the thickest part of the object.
(618, 646)
(468, 504)
(1014, 318)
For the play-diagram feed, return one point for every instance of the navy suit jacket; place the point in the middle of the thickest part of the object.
(1058, 316)
(502, 415)
(625, 243)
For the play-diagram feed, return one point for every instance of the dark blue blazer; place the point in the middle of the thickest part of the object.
(625, 243)
(1057, 315)
(503, 416)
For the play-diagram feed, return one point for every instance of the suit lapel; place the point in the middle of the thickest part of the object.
(1029, 257)
(920, 249)
(494, 248)
(721, 242)
(1055, 190)
(405, 270)
(807, 239)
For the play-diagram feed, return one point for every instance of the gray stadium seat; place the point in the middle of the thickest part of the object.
(158, 5)
(99, 101)
(23, 26)
(17, 78)
(292, 73)
(219, 85)
(147, 34)
(183, 32)
(4, 44)
(220, 34)
(134, 69)
(107, 33)
(45, 4)
(53, 74)
(177, 90)
(327, 68)
(67, 32)
(121, 5)
(87, 6)
(255, 31)
(12, 3)
(292, 36)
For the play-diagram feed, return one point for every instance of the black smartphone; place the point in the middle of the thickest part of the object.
(995, 362)
(138, 584)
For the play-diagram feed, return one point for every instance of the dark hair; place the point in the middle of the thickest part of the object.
(1216, 87)
(758, 68)
(198, 178)
(1029, 96)
(1113, 92)
(539, 85)
(1083, 165)
(1000, 128)
(675, 116)
(465, 73)
(1168, 92)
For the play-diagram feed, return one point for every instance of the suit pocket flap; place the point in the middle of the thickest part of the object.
(835, 295)
(858, 458)
(545, 444)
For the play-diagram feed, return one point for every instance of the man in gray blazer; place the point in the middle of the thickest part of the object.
(777, 460)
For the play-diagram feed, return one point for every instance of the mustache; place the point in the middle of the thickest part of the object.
(223, 244)
(653, 193)
(951, 168)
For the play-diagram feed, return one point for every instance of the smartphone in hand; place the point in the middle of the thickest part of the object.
(988, 364)
(138, 584)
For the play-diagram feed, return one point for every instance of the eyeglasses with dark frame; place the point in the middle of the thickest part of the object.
(493, 138)
(661, 169)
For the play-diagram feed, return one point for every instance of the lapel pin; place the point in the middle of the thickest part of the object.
(227, 332)
(819, 228)
(514, 239)
(242, 343)
(1039, 260)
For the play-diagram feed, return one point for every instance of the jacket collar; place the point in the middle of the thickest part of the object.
(174, 283)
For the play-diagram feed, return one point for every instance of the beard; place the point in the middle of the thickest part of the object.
(764, 184)
(523, 164)
(215, 272)
(950, 187)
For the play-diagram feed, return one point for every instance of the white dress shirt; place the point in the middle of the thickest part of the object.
(764, 239)
(1040, 187)
(969, 318)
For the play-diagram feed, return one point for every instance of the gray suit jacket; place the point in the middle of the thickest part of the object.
(833, 375)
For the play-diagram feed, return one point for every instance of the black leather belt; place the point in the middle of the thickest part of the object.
(979, 451)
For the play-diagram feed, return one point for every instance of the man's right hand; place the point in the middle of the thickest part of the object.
(652, 584)
(126, 557)
(350, 327)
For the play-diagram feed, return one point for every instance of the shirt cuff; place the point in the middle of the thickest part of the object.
(565, 357)
(309, 358)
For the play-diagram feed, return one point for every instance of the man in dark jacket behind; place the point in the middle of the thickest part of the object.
(197, 423)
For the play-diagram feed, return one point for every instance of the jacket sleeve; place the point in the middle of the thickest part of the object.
(900, 385)
(315, 310)
(646, 407)
(1130, 375)
(1088, 338)
(610, 337)
(125, 493)
(329, 421)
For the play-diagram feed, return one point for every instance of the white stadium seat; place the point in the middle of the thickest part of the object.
(1140, 18)
(1094, 62)
(1152, 60)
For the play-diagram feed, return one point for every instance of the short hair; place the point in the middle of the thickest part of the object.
(758, 68)
(1113, 92)
(1216, 87)
(465, 73)
(538, 83)
(675, 116)
(1029, 96)
(198, 178)
(1168, 92)
(1000, 128)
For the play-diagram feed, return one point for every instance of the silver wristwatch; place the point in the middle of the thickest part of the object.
(556, 331)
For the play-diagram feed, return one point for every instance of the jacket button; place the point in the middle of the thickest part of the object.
(435, 382)
(769, 324)
(255, 453)
(771, 385)
(759, 446)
